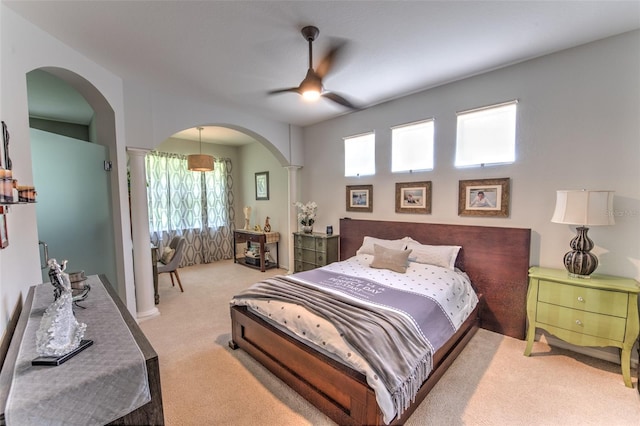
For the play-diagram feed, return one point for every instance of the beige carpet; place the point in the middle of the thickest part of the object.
(491, 383)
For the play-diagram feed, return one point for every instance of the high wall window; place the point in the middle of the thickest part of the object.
(486, 135)
(195, 205)
(412, 146)
(360, 155)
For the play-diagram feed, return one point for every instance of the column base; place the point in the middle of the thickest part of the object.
(145, 315)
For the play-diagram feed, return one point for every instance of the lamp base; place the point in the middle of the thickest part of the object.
(579, 276)
(580, 262)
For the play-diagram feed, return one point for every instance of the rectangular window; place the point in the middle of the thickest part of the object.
(360, 155)
(412, 146)
(487, 135)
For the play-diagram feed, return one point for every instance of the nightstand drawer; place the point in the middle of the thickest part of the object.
(591, 324)
(586, 299)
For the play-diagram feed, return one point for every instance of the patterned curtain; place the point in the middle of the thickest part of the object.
(195, 205)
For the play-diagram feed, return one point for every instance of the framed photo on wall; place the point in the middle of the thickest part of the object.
(359, 198)
(413, 197)
(484, 197)
(262, 186)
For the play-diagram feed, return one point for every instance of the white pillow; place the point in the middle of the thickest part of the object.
(368, 242)
(444, 256)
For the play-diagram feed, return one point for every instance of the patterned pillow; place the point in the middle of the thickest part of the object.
(444, 256)
(167, 255)
(386, 258)
(369, 242)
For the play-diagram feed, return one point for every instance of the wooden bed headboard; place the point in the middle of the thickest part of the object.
(496, 259)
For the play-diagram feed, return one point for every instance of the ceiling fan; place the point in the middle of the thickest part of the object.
(311, 87)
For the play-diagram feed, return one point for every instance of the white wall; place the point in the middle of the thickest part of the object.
(578, 127)
(25, 48)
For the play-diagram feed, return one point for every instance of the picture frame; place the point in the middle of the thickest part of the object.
(262, 185)
(484, 197)
(413, 197)
(4, 237)
(359, 198)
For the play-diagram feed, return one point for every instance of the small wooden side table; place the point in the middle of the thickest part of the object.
(262, 238)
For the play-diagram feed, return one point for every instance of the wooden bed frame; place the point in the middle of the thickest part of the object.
(497, 261)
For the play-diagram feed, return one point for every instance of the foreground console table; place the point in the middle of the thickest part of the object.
(598, 311)
(150, 413)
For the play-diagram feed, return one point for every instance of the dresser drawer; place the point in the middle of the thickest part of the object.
(305, 241)
(589, 323)
(586, 299)
(321, 259)
(308, 256)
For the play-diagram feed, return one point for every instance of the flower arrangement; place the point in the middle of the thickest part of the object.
(307, 213)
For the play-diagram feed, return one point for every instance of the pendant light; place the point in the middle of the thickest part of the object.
(200, 162)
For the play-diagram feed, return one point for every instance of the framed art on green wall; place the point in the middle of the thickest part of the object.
(262, 186)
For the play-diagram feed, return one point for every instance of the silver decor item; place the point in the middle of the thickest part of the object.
(59, 332)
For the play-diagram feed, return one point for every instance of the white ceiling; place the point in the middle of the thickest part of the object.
(236, 51)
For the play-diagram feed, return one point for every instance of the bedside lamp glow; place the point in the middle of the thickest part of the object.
(584, 208)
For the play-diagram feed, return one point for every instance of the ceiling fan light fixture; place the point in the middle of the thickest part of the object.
(311, 86)
(311, 95)
(200, 162)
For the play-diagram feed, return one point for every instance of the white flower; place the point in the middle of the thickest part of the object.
(307, 213)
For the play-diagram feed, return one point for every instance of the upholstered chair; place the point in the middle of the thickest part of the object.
(171, 267)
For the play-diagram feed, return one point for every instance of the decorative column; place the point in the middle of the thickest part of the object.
(142, 264)
(292, 213)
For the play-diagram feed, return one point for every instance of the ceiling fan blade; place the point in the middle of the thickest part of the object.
(339, 99)
(329, 61)
(290, 89)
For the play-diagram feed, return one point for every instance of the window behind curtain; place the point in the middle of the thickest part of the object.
(195, 205)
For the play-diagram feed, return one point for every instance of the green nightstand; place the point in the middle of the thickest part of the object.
(598, 311)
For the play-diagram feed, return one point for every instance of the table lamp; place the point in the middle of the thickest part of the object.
(584, 208)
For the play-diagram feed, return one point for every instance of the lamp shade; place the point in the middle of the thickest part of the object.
(584, 207)
(200, 163)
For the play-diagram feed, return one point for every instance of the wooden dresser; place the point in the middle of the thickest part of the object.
(597, 311)
(148, 414)
(313, 250)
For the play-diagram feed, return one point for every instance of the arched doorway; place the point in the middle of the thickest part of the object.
(70, 162)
